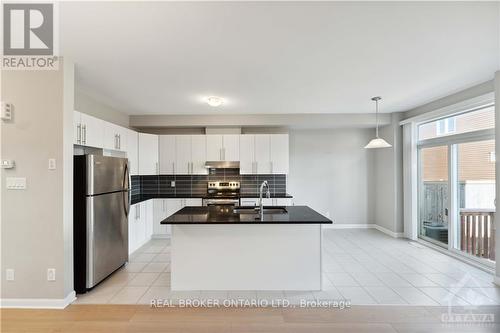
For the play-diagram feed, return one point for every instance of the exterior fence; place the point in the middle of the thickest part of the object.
(477, 232)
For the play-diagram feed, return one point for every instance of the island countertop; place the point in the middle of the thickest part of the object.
(230, 215)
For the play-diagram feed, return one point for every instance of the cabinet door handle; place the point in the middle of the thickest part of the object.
(116, 142)
(272, 167)
(84, 134)
(79, 133)
(156, 168)
(119, 141)
(173, 167)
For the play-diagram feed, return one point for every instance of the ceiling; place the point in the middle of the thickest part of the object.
(280, 57)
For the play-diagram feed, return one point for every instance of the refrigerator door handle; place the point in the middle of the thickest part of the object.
(126, 202)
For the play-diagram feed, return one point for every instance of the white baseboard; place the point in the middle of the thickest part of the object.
(38, 303)
(389, 232)
(364, 226)
(163, 236)
(348, 226)
(496, 280)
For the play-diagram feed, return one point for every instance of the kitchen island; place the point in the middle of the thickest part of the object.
(231, 248)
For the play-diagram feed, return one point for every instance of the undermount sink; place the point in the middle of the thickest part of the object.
(267, 210)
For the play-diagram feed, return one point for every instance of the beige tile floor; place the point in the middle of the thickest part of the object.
(364, 266)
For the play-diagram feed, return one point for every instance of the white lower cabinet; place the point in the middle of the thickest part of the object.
(283, 202)
(267, 201)
(140, 225)
(163, 208)
(192, 202)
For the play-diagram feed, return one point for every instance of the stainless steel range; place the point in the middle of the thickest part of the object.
(222, 193)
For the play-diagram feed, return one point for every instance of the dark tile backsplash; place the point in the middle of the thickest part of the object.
(196, 185)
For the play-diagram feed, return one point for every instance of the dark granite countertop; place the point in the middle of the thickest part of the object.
(227, 215)
(134, 199)
(278, 195)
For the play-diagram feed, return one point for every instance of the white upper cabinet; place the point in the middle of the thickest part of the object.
(133, 152)
(183, 154)
(223, 147)
(279, 153)
(262, 154)
(231, 147)
(167, 154)
(247, 154)
(214, 147)
(92, 131)
(115, 137)
(148, 154)
(198, 154)
(88, 130)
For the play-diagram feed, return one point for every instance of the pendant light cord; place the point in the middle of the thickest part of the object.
(376, 117)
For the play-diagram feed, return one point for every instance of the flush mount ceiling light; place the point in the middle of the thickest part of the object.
(377, 142)
(214, 101)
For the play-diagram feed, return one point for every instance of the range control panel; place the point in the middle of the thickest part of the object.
(224, 186)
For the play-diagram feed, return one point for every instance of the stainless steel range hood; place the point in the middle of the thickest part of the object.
(222, 164)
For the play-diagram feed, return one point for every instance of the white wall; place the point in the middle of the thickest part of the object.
(37, 222)
(497, 170)
(460, 96)
(91, 106)
(331, 172)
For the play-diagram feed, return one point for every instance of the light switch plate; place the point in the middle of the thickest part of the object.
(172, 183)
(9, 274)
(52, 163)
(51, 274)
(15, 183)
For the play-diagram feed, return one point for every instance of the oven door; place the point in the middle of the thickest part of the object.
(221, 202)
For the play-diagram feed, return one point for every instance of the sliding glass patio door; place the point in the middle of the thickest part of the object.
(456, 184)
(476, 198)
(434, 189)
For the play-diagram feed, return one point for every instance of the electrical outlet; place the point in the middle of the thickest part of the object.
(172, 183)
(52, 163)
(9, 274)
(51, 274)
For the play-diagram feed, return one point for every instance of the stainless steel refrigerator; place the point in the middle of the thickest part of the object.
(100, 218)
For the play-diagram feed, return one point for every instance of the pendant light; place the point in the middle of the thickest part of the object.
(377, 142)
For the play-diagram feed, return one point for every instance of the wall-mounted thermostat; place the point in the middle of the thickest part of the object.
(8, 164)
(6, 111)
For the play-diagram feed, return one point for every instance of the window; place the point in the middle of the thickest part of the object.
(456, 186)
(445, 126)
(463, 123)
